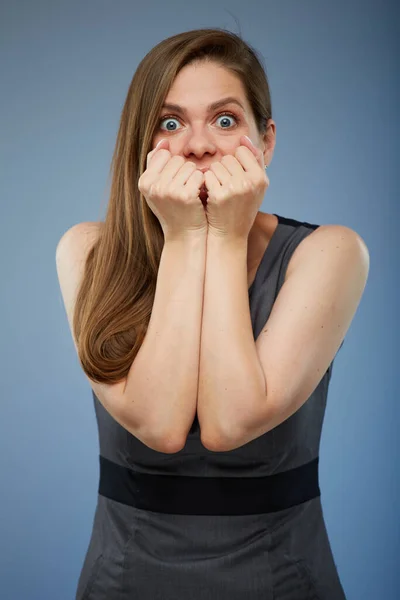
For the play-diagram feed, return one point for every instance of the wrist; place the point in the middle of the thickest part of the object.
(192, 237)
(226, 240)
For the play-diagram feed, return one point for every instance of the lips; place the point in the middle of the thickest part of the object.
(203, 193)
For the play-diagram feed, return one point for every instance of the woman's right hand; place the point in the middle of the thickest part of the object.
(171, 187)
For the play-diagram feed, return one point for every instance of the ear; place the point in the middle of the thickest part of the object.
(269, 140)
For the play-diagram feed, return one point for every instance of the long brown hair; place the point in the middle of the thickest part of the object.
(114, 303)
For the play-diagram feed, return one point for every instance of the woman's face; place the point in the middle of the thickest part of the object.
(203, 134)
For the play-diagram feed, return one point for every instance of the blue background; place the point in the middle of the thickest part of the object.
(65, 72)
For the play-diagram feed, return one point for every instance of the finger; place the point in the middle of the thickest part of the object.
(211, 182)
(246, 141)
(164, 143)
(232, 165)
(257, 152)
(152, 152)
(222, 171)
(250, 163)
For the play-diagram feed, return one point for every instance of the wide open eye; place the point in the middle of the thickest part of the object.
(224, 115)
(227, 116)
(168, 118)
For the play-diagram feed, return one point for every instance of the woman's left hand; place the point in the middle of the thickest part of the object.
(236, 186)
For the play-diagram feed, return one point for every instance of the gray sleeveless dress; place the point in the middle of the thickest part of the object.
(200, 525)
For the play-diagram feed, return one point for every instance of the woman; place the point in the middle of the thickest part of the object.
(207, 330)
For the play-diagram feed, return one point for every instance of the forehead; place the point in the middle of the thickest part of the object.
(199, 85)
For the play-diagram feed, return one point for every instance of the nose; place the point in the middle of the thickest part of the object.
(199, 146)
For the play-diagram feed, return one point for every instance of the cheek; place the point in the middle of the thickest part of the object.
(233, 145)
(155, 141)
(228, 151)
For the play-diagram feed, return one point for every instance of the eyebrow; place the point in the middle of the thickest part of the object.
(210, 108)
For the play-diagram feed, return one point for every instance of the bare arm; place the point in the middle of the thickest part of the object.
(231, 376)
(161, 387)
(156, 402)
(247, 388)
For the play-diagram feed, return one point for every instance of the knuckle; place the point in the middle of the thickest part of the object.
(264, 181)
(155, 189)
(184, 196)
(247, 185)
(142, 183)
(220, 195)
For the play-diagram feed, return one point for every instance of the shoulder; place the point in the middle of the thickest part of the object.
(78, 238)
(330, 243)
(71, 254)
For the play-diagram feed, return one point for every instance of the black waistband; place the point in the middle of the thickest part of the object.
(187, 495)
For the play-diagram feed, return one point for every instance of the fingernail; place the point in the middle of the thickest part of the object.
(247, 137)
(158, 144)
